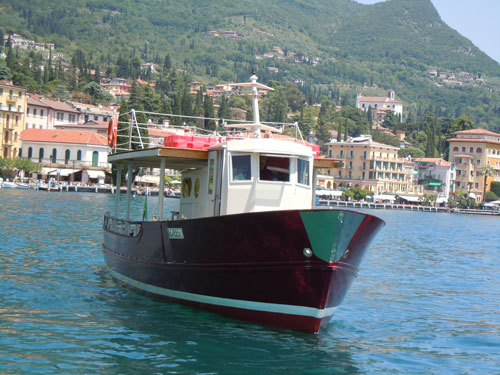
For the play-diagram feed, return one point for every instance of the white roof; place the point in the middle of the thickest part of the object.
(268, 146)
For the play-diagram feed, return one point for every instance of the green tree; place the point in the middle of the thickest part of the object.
(490, 196)
(414, 152)
(495, 187)
(487, 171)
(208, 107)
(5, 74)
(323, 135)
(306, 123)
(97, 94)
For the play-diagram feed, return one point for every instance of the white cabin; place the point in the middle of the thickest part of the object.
(249, 175)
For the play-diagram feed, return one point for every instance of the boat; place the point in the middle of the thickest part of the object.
(14, 185)
(246, 242)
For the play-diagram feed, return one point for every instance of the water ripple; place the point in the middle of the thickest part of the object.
(425, 302)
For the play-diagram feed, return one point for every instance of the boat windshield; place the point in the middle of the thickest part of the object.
(274, 168)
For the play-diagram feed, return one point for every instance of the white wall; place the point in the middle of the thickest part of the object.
(87, 151)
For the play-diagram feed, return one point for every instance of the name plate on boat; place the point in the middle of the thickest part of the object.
(175, 233)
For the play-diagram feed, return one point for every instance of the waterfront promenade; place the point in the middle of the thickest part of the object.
(322, 203)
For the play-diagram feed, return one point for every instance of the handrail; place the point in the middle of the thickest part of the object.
(122, 226)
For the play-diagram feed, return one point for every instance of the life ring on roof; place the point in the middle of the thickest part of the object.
(112, 132)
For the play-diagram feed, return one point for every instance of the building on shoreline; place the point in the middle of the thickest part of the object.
(70, 155)
(437, 176)
(471, 151)
(44, 113)
(12, 118)
(373, 166)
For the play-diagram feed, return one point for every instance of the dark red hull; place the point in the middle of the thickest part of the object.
(250, 267)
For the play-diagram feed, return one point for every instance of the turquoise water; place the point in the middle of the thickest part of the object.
(426, 301)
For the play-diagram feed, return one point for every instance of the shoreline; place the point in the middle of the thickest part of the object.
(322, 203)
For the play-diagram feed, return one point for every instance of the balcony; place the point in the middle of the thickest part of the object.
(62, 163)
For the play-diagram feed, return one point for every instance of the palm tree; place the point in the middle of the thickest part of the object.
(486, 171)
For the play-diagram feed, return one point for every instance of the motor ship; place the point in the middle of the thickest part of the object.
(246, 241)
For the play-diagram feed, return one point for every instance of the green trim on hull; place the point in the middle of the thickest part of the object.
(330, 231)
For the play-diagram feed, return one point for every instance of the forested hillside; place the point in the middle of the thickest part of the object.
(328, 49)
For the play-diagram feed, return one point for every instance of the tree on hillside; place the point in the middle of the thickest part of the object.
(411, 151)
(97, 94)
(323, 134)
(208, 108)
(391, 121)
(295, 99)
(359, 122)
(5, 74)
(306, 122)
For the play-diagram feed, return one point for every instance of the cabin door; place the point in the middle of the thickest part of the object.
(212, 180)
(215, 160)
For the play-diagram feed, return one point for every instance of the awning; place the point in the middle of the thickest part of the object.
(95, 174)
(64, 172)
(334, 193)
(148, 179)
(47, 171)
(410, 198)
(384, 197)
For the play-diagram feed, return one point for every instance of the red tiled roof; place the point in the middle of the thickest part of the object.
(64, 136)
(163, 133)
(377, 99)
(474, 140)
(477, 131)
(40, 101)
(444, 163)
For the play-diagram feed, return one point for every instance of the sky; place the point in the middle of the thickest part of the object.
(477, 20)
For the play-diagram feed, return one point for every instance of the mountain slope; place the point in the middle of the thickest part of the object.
(337, 43)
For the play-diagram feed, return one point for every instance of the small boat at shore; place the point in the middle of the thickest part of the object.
(14, 185)
(245, 242)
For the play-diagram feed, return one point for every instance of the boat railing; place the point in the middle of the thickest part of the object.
(142, 129)
(121, 226)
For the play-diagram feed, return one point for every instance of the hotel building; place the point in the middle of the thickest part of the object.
(471, 151)
(373, 166)
(12, 119)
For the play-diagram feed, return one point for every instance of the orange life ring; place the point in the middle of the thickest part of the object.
(112, 132)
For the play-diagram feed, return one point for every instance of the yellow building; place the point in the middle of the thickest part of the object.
(471, 151)
(373, 166)
(12, 118)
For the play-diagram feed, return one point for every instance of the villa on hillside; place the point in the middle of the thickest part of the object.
(380, 105)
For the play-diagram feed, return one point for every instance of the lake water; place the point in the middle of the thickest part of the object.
(426, 301)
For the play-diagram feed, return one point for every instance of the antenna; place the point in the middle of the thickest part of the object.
(255, 102)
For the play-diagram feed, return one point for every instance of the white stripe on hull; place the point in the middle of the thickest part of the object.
(227, 302)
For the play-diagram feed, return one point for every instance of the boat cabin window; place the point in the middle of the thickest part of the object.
(303, 172)
(274, 168)
(186, 187)
(241, 167)
(211, 168)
